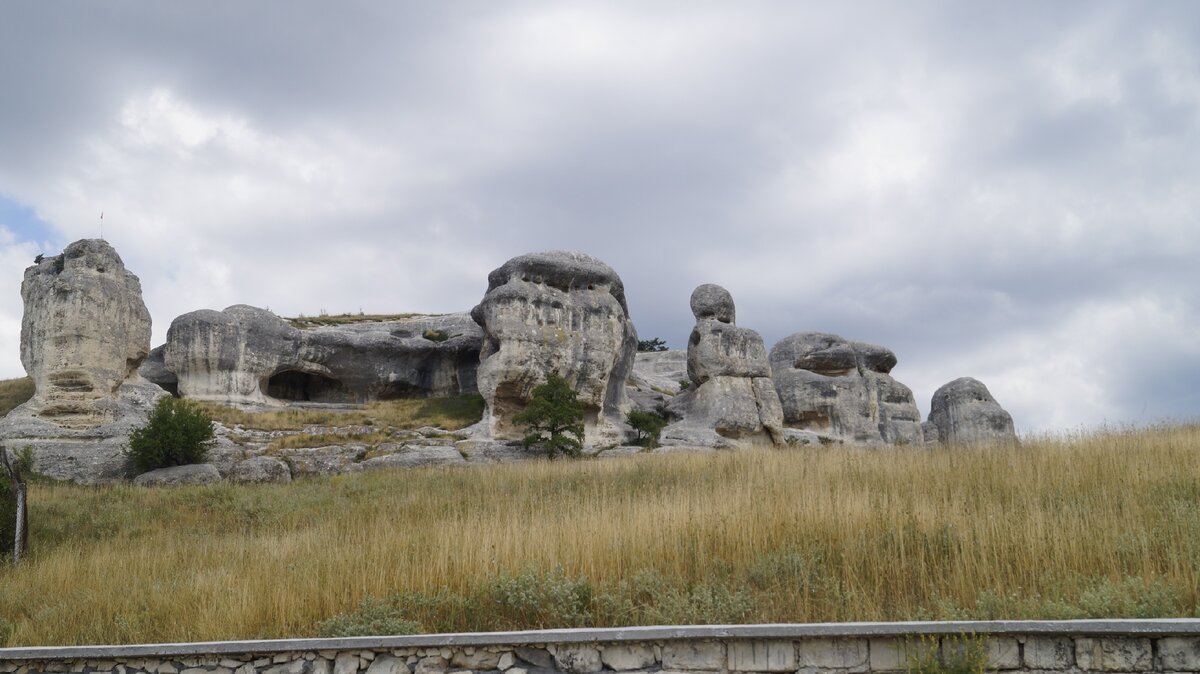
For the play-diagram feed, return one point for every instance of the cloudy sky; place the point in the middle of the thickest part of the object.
(1009, 190)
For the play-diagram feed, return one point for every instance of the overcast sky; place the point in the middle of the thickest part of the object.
(1009, 191)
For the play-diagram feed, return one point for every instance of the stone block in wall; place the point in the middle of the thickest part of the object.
(538, 657)
(345, 663)
(578, 659)
(430, 664)
(1114, 654)
(692, 655)
(1049, 652)
(850, 655)
(892, 655)
(388, 664)
(1179, 654)
(624, 657)
(473, 660)
(762, 656)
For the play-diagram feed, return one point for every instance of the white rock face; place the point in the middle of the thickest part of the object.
(561, 312)
(655, 378)
(965, 413)
(732, 400)
(247, 355)
(85, 331)
(839, 388)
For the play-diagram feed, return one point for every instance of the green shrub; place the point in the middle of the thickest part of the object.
(553, 418)
(178, 433)
(647, 425)
(542, 600)
(372, 618)
(651, 345)
(685, 384)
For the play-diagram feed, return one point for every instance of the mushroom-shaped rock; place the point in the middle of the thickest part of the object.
(560, 312)
(733, 399)
(837, 387)
(84, 333)
(965, 413)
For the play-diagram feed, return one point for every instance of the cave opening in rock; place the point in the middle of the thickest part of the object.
(306, 387)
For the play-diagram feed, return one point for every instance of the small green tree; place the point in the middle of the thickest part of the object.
(178, 433)
(651, 345)
(648, 425)
(553, 418)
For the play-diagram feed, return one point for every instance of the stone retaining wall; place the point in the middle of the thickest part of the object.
(1061, 647)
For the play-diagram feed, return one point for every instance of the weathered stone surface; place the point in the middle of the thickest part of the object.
(197, 473)
(488, 451)
(849, 655)
(538, 657)
(624, 657)
(560, 312)
(842, 389)
(692, 655)
(260, 470)
(387, 664)
(656, 378)
(578, 658)
(965, 413)
(84, 333)
(405, 456)
(346, 663)
(478, 659)
(1180, 654)
(1049, 652)
(248, 355)
(1114, 654)
(329, 460)
(894, 655)
(732, 399)
(762, 656)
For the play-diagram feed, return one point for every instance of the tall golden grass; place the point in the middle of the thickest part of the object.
(1107, 524)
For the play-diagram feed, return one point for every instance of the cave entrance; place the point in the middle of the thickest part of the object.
(305, 387)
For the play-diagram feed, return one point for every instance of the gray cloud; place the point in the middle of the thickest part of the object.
(1005, 191)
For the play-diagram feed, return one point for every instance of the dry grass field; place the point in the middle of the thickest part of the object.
(1103, 525)
(13, 392)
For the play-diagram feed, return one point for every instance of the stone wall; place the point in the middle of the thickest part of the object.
(1027, 646)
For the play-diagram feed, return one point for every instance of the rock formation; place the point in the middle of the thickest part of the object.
(963, 412)
(247, 355)
(655, 378)
(732, 397)
(841, 389)
(84, 333)
(561, 312)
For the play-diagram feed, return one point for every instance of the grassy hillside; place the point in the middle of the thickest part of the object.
(1107, 525)
(13, 392)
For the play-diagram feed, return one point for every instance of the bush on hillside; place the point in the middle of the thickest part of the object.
(553, 418)
(647, 425)
(178, 433)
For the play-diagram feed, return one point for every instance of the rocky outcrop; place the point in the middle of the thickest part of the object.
(842, 389)
(178, 476)
(247, 355)
(731, 399)
(84, 333)
(963, 412)
(656, 378)
(561, 312)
